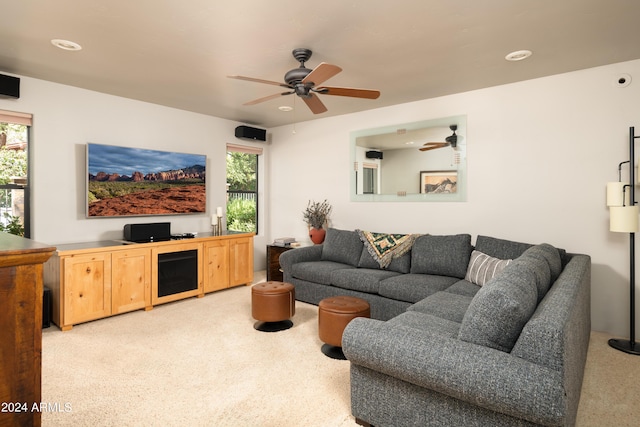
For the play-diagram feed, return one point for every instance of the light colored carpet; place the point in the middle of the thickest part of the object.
(611, 386)
(199, 362)
(196, 362)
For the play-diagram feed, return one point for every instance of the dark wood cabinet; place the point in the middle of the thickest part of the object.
(273, 262)
(21, 294)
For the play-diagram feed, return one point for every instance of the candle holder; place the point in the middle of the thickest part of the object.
(219, 226)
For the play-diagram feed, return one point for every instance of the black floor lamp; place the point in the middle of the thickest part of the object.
(624, 218)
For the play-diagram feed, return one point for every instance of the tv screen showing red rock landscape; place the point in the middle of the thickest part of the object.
(124, 181)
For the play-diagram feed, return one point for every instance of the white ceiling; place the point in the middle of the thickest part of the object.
(178, 52)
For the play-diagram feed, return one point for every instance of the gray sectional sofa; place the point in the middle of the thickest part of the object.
(490, 334)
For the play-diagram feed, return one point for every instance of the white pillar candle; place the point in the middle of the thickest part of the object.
(219, 211)
(214, 220)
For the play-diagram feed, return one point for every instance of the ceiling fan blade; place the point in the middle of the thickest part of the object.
(315, 105)
(433, 146)
(321, 73)
(251, 79)
(348, 91)
(267, 98)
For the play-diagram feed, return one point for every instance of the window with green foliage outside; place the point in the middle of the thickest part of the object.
(14, 190)
(242, 191)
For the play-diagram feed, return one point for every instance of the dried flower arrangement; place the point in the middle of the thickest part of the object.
(317, 213)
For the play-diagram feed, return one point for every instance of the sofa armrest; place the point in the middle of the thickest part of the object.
(479, 375)
(303, 254)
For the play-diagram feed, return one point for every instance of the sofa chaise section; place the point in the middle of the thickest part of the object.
(420, 369)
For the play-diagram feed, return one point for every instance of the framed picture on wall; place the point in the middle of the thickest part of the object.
(438, 182)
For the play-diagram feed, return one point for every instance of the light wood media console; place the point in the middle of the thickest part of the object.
(93, 280)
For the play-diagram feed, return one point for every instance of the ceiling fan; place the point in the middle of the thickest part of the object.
(305, 83)
(451, 140)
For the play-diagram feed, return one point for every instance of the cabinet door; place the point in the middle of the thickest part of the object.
(87, 290)
(130, 280)
(216, 266)
(241, 261)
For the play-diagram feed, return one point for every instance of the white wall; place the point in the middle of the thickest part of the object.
(66, 118)
(539, 154)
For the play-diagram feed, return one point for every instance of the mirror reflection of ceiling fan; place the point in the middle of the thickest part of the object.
(450, 141)
(305, 83)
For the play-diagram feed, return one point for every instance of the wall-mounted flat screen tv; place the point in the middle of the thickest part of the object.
(124, 181)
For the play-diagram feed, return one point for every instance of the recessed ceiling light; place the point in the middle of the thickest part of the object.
(285, 108)
(518, 55)
(66, 44)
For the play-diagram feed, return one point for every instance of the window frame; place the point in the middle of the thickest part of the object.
(257, 151)
(25, 119)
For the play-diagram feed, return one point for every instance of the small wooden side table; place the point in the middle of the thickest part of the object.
(274, 274)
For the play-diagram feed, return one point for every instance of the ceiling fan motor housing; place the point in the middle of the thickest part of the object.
(296, 75)
(453, 139)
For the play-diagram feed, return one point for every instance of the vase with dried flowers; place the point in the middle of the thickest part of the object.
(316, 216)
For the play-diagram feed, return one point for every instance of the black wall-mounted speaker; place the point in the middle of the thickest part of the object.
(374, 155)
(9, 86)
(247, 132)
(149, 232)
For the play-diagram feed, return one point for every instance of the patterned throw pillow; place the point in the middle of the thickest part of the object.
(483, 267)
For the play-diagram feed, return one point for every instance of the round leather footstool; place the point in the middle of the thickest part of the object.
(273, 304)
(334, 314)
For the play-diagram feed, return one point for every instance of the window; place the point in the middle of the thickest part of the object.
(242, 188)
(369, 178)
(15, 215)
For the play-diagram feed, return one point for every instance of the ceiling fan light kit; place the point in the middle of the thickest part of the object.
(304, 82)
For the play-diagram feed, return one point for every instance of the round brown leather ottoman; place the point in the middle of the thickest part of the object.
(334, 314)
(273, 304)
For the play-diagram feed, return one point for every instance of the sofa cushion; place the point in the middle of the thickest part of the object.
(426, 322)
(444, 305)
(360, 279)
(414, 287)
(402, 264)
(500, 248)
(501, 308)
(544, 260)
(317, 271)
(483, 267)
(551, 255)
(342, 246)
(463, 287)
(441, 255)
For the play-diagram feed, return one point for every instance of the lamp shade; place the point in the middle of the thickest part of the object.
(623, 219)
(616, 193)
